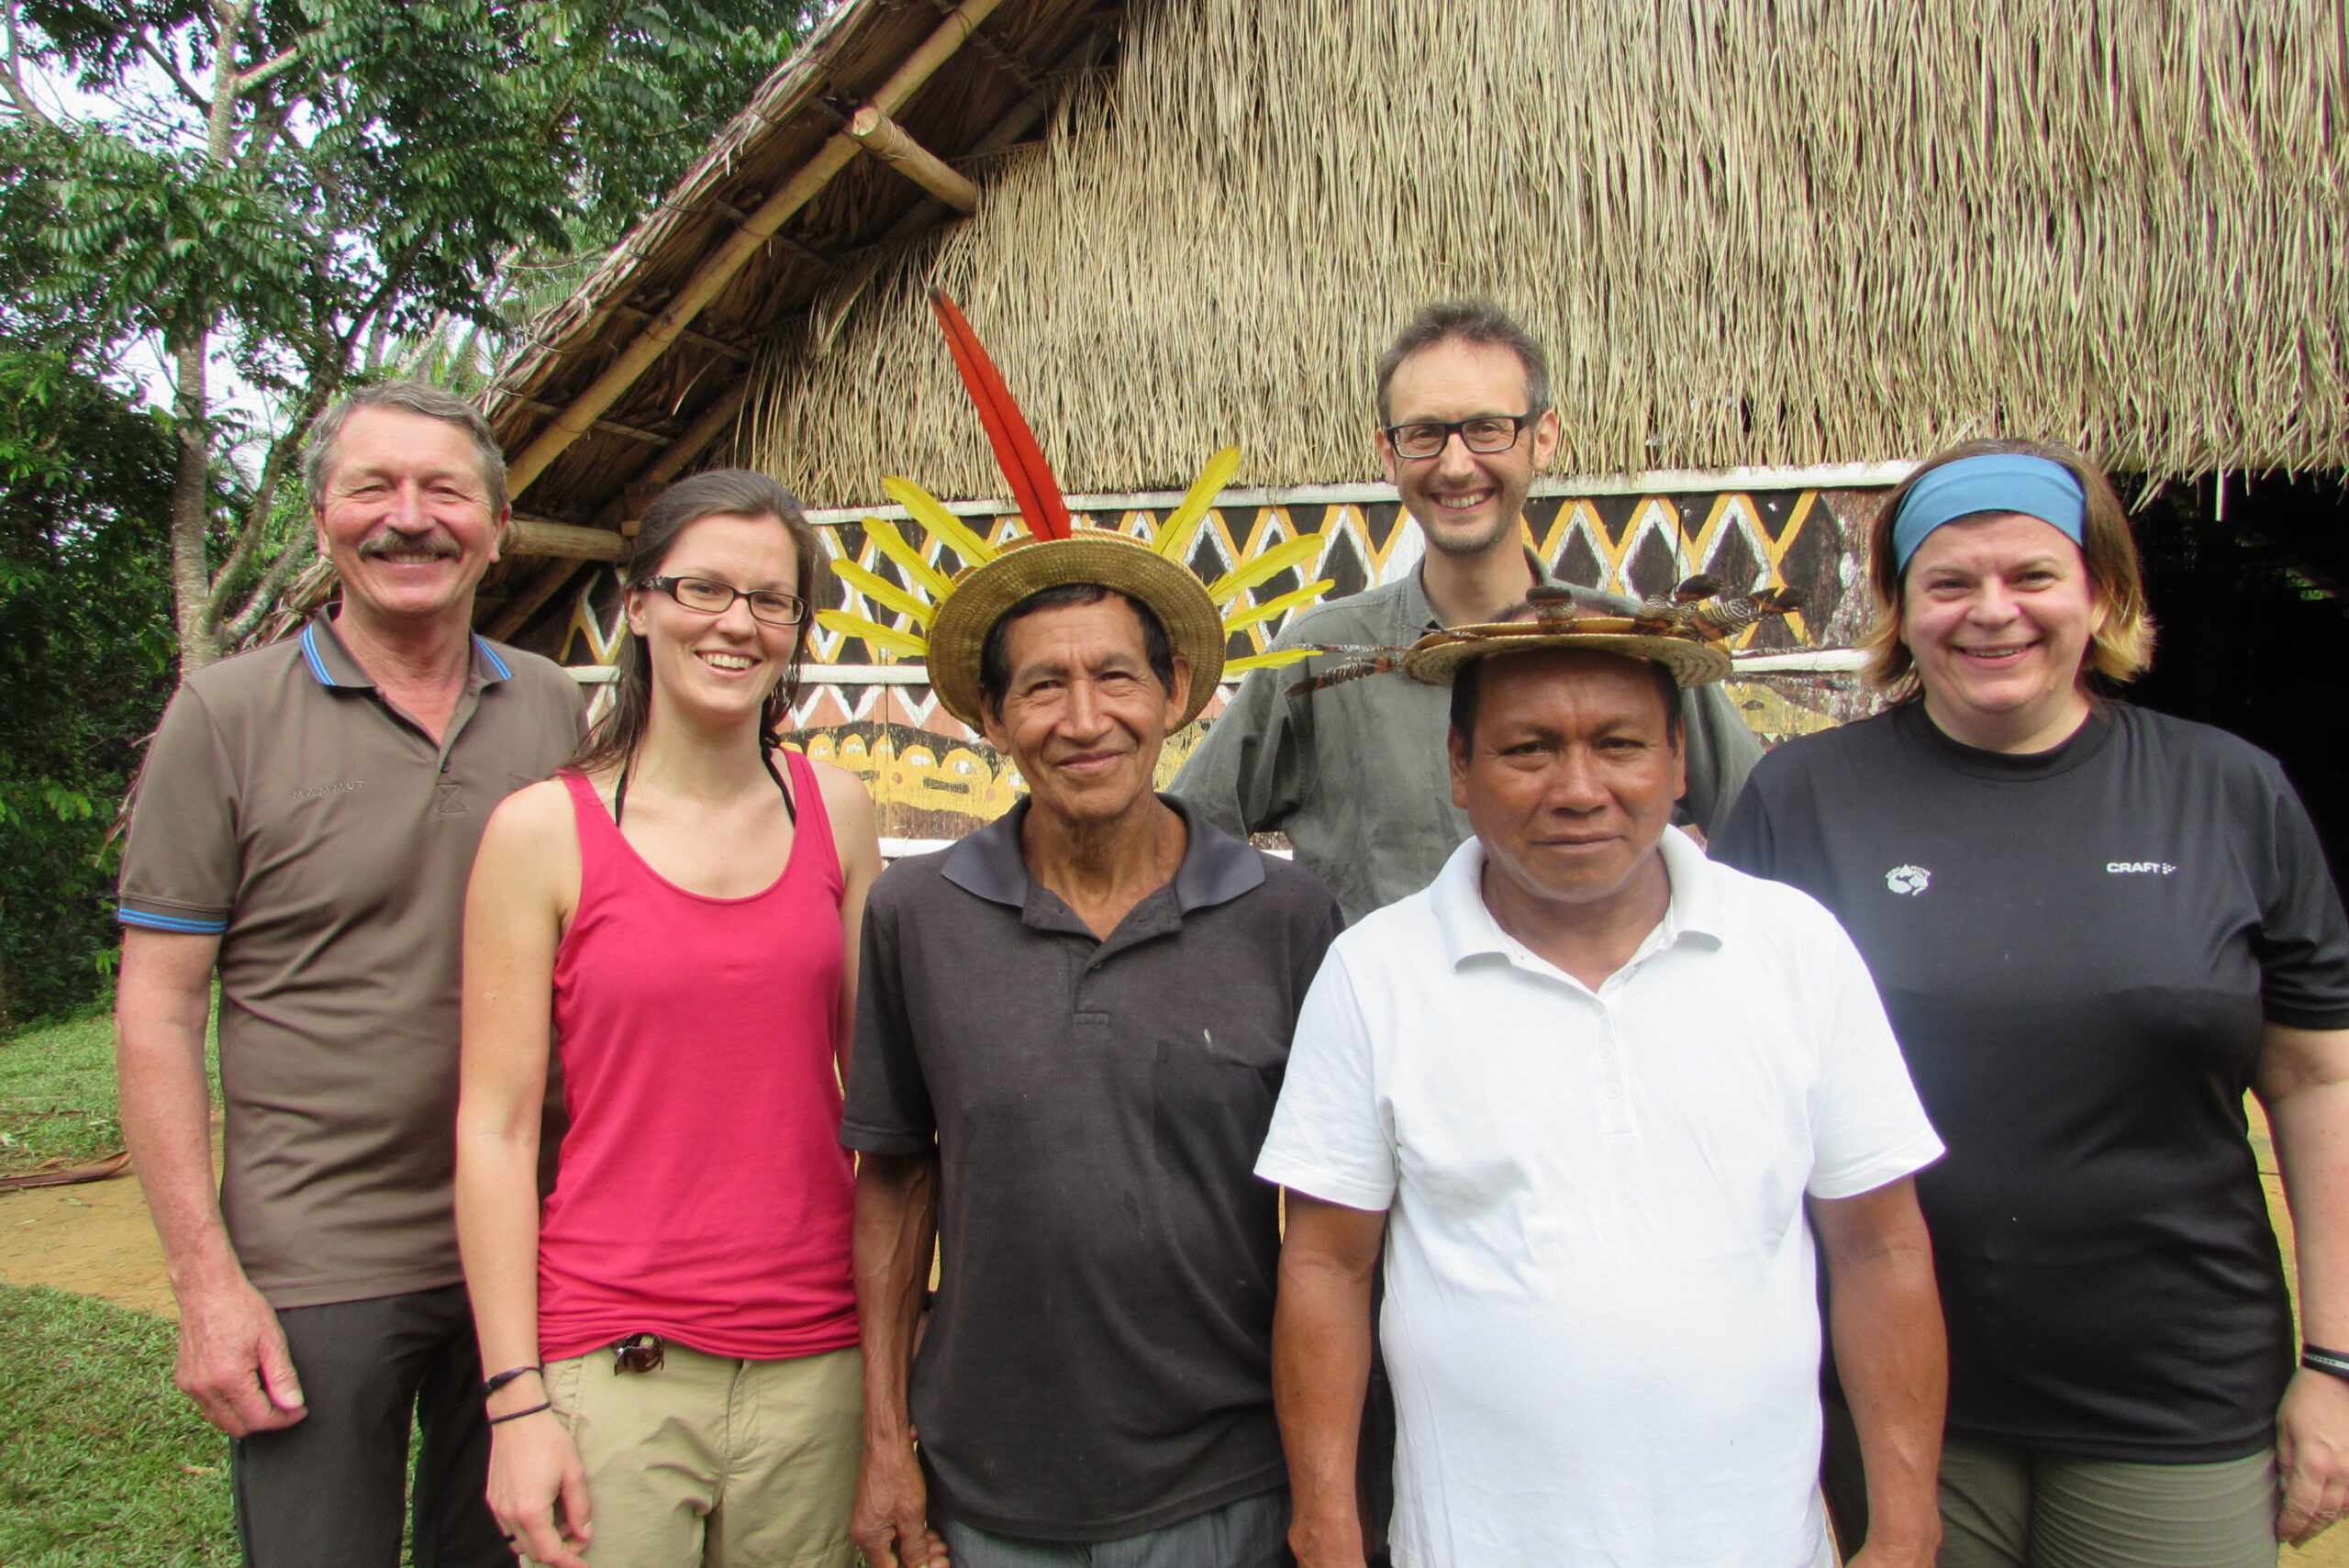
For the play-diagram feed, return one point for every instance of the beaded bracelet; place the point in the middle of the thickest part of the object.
(2320, 1360)
(517, 1415)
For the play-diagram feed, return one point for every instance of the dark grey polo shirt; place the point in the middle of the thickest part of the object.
(1357, 775)
(1098, 1358)
(287, 807)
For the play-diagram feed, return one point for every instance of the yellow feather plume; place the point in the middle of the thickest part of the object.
(880, 591)
(880, 637)
(1175, 534)
(1272, 563)
(932, 513)
(1273, 609)
(892, 544)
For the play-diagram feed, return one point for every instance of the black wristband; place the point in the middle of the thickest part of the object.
(503, 1378)
(2316, 1359)
(517, 1415)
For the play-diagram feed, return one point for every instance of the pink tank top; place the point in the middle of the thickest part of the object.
(703, 1193)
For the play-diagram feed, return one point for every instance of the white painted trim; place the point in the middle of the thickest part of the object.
(816, 675)
(1655, 482)
(899, 848)
(1808, 659)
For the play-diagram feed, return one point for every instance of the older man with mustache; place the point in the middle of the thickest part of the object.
(303, 830)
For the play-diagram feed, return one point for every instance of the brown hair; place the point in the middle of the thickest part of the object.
(2120, 643)
(1467, 321)
(406, 397)
(723, 491)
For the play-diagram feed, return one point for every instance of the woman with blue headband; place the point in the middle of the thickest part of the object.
(2095, 928)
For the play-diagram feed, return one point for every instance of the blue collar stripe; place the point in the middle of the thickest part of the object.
(310, 653)
(1995, 482)
(495, 661)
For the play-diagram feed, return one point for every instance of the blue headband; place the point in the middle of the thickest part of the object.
(1995, 482)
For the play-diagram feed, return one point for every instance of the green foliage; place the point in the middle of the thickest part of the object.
(295, 184)
(321, 179)
(85, 647)
(395, 146)
(102, 1462)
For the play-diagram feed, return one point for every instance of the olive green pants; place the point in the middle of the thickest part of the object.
(2010, 1508)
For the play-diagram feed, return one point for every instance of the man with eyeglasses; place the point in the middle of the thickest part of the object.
(1356, 774)
(303, 830)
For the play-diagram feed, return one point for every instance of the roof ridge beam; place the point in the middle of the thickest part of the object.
(720, 268)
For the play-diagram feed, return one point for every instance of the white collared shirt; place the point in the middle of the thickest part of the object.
(1601, 1319)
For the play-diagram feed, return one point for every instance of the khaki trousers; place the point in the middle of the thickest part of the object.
(2010, 1508)
(708, 1462)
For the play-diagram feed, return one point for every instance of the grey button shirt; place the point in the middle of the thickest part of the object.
(1356, 775)
(1099, 1363)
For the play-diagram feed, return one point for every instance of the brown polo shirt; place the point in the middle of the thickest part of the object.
(287, 806)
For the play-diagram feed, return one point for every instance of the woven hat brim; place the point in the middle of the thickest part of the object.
(982, 593)
(1436, 658)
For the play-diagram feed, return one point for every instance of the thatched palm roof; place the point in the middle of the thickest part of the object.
(1751, 232)
(711, 277)
(1754, 233)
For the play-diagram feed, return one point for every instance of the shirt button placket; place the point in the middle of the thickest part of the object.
(1615, 1088)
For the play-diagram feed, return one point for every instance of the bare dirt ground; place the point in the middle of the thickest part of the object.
(93, 1240)
(97, 1240)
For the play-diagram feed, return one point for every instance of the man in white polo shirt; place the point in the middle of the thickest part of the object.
(1586, 1087)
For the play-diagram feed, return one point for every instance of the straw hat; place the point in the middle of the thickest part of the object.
(957, 612)
(983, 593)
(1436, 658)
(1685, 631)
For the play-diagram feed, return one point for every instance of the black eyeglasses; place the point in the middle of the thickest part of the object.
(703, 596)
(1486, 433)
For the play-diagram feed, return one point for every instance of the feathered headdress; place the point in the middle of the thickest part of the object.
(955, 614)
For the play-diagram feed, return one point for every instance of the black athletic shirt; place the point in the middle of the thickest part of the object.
(2077, 949)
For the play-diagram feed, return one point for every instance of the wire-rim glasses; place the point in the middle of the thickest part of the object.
(1486, 433)
(704, 597)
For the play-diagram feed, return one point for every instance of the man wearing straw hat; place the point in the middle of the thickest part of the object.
(1585, 1088)
(1353, 772)
(1071, 1028)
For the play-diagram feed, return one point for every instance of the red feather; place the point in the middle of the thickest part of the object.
(1033, 489)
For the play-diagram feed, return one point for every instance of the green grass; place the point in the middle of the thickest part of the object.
(57, 1095)
(57, 1099)
(102, 1460)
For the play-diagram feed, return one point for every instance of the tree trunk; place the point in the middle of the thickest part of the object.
(192, 512)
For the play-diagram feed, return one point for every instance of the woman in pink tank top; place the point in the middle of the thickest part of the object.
(672, 1330)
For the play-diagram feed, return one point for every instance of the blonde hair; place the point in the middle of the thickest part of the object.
(2120, 643)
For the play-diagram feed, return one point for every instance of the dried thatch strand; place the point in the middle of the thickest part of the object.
(1752, 233)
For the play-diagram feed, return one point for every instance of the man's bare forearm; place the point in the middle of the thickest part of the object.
(162, 1005)
(1321, 1333)
(1892, 1358)
(897, 1232)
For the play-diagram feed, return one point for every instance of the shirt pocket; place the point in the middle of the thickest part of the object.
(1211, 1098)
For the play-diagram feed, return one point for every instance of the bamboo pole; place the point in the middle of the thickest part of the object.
(544, 585)
(534, 535)
(887, 140)
(718, 270)
(551, 579)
